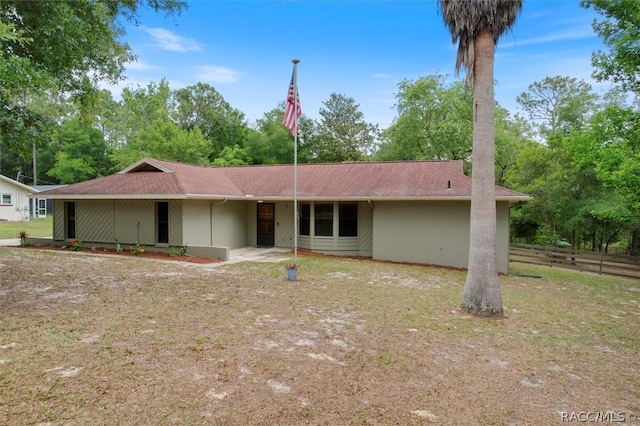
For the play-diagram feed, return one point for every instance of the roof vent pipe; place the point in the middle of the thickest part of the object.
(448, 184)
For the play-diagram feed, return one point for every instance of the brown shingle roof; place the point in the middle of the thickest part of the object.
(361, 180)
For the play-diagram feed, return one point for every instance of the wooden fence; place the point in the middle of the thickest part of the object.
(586, 261)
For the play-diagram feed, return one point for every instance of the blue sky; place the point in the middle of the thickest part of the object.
(358, 48)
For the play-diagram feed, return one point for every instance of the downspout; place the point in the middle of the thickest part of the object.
(370, 204)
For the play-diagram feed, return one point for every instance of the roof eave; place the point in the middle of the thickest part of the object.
(109, 196)
(509, 198)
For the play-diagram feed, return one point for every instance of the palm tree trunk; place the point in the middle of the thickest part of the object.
(482, 290)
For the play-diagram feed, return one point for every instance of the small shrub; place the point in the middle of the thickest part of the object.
(174, 251)
(137, 249)
(76, 245)
(23, 238)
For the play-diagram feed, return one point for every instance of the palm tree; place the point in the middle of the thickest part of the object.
(476, 25)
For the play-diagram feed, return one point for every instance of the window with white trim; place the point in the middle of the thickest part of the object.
(5, 199)
(348, 220)
(323, 220)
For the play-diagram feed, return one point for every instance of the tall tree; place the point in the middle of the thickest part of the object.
(620, 31)
(476, 26)
(558, 104)
(162, 138)
(342, 134)
(616, 140)
(151, 132)
(433, 122)
(74, 42)
(83, 153)
(65, 46)
(201, 106)
(270, 142)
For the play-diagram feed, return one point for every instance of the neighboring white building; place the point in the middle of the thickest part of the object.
(43, 206)
(14, 199)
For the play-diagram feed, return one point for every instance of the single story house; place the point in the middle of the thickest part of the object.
(14, 199)
(406, 211)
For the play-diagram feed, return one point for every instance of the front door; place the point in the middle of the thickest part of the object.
(266, 222)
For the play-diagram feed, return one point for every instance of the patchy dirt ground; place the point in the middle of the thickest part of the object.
(139, 254)
(117, 340)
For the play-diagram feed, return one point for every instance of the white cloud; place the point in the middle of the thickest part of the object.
(576, 33)
(381, 75)
(217, 74)
(138, 65)
(167, 40)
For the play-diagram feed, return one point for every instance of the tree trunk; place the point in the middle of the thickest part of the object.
(482, 290)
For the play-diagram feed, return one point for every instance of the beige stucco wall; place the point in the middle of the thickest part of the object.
(431, 232)
(211, 228)
(230, 224)
(196, 227)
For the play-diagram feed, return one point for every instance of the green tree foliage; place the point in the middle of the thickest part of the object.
(584, 179)
(560, 182)
(83, 153)
(66, 47)
(111, 117)
(201, 106)
(620, 31)
(143, 125)
(232, 156)
(164, 139)
(75, 43)
(558, 104)
(270, 142)
(615, 136)
(434, 122)
(512, 135)
(342, 134)
(26, 125)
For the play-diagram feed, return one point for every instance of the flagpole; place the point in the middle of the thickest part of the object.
(295, 162)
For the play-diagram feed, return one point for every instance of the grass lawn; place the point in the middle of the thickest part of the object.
(33, 227)
(89, 339)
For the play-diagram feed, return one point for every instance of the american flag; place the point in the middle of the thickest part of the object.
(292, 112)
